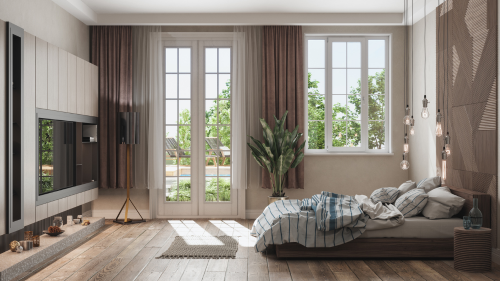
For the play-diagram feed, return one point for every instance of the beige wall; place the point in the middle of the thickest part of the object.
(423, 144)
(48, 21)
(110, 201)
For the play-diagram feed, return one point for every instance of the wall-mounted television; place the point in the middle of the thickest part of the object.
(67, 153)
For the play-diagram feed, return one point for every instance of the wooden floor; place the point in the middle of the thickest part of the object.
(128, 253)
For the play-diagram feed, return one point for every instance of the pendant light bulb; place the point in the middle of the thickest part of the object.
(444, 155)
(406, 146)
(407, 119)
(439, 128)
(447, 145)
(412, 126)
(405, 165)
(425, 110)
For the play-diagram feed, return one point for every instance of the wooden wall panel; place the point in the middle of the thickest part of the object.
(63, 80)
(72, 92)
(52, 77)
(41, 73)
(80, 86)
(467, 66)
(29, 129)
(95, 91)
(3, 120)
(88, 88)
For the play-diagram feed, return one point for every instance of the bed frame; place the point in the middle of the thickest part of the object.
(394, 247)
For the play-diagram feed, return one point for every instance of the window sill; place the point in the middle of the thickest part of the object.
(347, 154)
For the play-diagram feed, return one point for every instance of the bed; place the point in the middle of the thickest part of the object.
(417, 238)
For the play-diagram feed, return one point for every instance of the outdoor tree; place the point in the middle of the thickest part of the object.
(346, 124)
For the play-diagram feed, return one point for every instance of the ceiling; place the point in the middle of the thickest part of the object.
(244, 12)
(245, 6)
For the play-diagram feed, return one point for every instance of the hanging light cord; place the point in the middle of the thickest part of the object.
(447, 64)
(412, 62)
(405, 85)
(425, 49)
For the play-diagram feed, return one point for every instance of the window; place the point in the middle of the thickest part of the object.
(347, 101)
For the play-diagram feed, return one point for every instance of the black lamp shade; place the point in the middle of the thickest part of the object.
(129, 128)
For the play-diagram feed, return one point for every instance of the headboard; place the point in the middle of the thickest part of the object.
(483, 200)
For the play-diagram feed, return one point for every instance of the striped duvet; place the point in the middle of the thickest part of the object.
(285, 222)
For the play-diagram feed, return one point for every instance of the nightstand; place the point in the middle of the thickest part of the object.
(472, 249)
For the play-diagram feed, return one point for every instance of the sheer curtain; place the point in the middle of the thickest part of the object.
(246, 97)
(148, 166)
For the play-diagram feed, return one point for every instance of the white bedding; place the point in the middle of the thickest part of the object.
(417, 227)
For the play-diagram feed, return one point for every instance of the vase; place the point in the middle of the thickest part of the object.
(475, 215)
(272, 199)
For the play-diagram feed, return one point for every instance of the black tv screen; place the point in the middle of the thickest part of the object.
(67, 154)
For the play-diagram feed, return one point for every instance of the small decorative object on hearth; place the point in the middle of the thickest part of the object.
(13, 246)
(76, 221)
(19, 249)
(476, 217)
(28, 235)
(36, 241)
(280, 151)
(54, 229)
(79, 217)
(466, 222)
(58, 222)
(26, 244)
(86, 222)
(69, 220)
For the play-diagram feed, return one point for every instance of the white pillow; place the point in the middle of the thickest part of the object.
(405, 187)
(442, 204)
(429, 184)
(385, 195)
(412, 202)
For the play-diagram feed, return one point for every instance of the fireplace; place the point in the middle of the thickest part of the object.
(67, 154)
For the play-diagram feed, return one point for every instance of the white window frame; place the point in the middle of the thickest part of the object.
(363, 150)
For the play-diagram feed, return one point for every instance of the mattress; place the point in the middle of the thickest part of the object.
(417, 227)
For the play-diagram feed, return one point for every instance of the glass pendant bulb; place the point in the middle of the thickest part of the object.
(425, 110)
(447, 145)
(405, 165)
(439, 128)
(412, 126)
(444, 155)
(406, 145)
(407, 119)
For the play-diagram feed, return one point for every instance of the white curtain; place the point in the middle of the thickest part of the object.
(246, 88)
(148, 163)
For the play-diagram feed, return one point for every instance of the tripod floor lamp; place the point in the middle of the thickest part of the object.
(128, 135)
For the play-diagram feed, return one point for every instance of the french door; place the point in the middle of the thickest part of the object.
(198, 164)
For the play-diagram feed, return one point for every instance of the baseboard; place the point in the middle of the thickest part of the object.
(253, 214)
(495, 254)
(111, 214)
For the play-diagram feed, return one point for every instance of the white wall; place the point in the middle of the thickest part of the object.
(48, 21)
(423, 144)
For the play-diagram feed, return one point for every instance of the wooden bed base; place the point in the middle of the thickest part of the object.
(394, 247)
(373, 248)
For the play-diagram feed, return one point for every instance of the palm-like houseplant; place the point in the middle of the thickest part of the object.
(279, 152)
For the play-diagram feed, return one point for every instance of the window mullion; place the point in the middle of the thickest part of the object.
(364, 93)
(328, 96)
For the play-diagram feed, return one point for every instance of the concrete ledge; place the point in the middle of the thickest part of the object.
(12, 264)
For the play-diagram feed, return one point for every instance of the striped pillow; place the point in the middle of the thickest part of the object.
(412, 202)
(330, 194)
(429, 184)
(337, 212)
(385, 195)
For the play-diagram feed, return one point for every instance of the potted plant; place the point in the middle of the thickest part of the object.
(279, 152)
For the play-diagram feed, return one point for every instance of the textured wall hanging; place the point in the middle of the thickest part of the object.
(467, 67)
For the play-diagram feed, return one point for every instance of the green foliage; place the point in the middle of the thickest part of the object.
(346, 117)
(46, 153)
(224, 119)
(279, 152)
(210, 191)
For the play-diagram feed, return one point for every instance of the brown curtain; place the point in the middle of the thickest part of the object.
(111, 51)
(283, 86)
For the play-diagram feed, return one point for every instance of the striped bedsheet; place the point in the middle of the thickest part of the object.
(284, 222)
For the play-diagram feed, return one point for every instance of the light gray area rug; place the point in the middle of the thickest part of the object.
(202, 247)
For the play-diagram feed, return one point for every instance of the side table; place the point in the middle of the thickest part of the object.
(472, 249)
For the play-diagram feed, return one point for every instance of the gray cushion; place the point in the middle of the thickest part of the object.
(442, 204)
(412, 202)
(385, 195)
(429, 184)
(405, 187)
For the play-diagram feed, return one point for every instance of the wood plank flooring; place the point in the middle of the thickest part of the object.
(128, 253)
